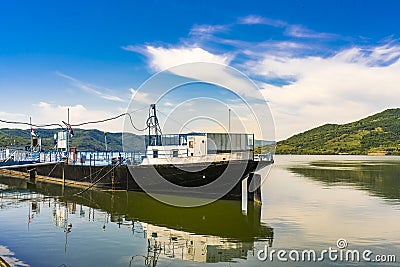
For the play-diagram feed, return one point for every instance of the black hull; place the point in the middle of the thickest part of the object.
(189, 175)
(212, 179)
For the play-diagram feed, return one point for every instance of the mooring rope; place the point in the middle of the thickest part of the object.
(93, 184)
(53, 169)
(97, 173)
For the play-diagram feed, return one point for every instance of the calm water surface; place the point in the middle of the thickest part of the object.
(309, 202)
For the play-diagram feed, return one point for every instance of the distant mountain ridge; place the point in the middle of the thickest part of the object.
(84, 140)
(378, 134)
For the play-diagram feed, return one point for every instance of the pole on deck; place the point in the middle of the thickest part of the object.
(68, 134)
(30, 130)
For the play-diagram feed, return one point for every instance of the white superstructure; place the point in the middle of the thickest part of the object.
(198, 148)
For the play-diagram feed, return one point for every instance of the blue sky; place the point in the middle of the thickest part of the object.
(314, 61)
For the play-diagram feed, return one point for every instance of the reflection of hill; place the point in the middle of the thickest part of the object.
(222, 218)
(381, 178)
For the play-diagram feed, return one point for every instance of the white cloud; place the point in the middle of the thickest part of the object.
(90, 88)
(338, 89)
(321, 84)
(161, 58)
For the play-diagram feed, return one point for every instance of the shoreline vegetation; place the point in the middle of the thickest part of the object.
(375, 135)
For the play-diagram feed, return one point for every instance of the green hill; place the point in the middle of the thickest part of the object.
(376, 134)
(84, 140)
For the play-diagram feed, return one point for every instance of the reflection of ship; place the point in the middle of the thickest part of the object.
(198, 234)
(199, 248)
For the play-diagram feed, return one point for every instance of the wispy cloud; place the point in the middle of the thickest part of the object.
(300, 31)
(292, 30)
(89, 88)
(255, 19)
(377, 56)
(207, 29)
(11, 114)
(139, 96)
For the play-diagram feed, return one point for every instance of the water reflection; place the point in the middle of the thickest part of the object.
(380, 178)
(218, 232)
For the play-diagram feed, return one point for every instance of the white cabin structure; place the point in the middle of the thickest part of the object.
(198, 148)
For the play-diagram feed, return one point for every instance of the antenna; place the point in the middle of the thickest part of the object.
(152, 123)
(68, 135)
(31, 131)
(229, 121)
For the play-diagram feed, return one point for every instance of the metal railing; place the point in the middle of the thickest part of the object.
(264, 157)
(12, 155)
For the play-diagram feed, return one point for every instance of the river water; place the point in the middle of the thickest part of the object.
(338, 207)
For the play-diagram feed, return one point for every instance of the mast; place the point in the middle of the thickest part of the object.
(153, 124)
(31, 134)
(68, 134)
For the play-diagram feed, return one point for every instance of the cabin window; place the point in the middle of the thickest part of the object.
(175, 153)
(155, 153)
(191, 144)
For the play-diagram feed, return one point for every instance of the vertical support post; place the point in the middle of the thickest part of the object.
(254, 188)
(90, 167)
(32, 176)
(252, 147)
(63, 178)
(113, 178)
(63, 173)
(244, 195)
